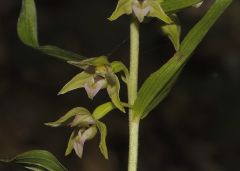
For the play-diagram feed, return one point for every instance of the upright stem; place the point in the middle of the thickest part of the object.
(132, 94)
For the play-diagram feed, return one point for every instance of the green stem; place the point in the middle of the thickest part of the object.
(132, 94)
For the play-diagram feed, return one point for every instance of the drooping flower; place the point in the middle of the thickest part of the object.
(141, 9)
(85, 127)
(98, 74)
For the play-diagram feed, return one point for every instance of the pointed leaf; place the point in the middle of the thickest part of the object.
(69, 116)
(60, 53)
(27, 32)
(162, 94)
(170, 6)
(76, 82)
(159, 80)
(27, 24)
(198, 32)
(102, 110)
(38, 160)
(103, 131)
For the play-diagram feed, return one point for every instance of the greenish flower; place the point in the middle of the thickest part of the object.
(98, 74)
(85, 127)
(141, 9)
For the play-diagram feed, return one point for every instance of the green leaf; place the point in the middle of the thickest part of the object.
(27, 24)
(198, 32)
(173, 31)
(162, 94)
(69, 117)
(102, 110)
(59, 53)
(103, 131)
(76, 82)
(161, 80)
(37, 160)
(170, 6)
(27, 32)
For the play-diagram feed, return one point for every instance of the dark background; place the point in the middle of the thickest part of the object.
(195, 129)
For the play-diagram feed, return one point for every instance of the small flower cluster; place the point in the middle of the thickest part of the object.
(141, 9)
(98, 73)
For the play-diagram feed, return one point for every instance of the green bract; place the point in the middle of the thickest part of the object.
(98, 74)
(140, 8)
(173, 31)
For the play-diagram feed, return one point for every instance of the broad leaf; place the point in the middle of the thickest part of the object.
(162, 94)
(37, 160)
(103, 131)
(161, 80)
(27, 32)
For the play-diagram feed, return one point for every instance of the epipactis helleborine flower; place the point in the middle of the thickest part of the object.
(141, 8)
(85, 128)
(97, 75)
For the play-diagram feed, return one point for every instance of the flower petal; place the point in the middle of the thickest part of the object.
(157, 11)
(113, 91)
(78, 145)
(123, 7)
(71, 142)
(83, 120)
(140, 9)
(92, 87)
(76, 82)
(81, 138)
(69, 117)
(103, 131)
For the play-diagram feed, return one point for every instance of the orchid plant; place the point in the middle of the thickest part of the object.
(97, 73)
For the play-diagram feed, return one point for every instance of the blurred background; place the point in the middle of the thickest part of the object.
(195, 129)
